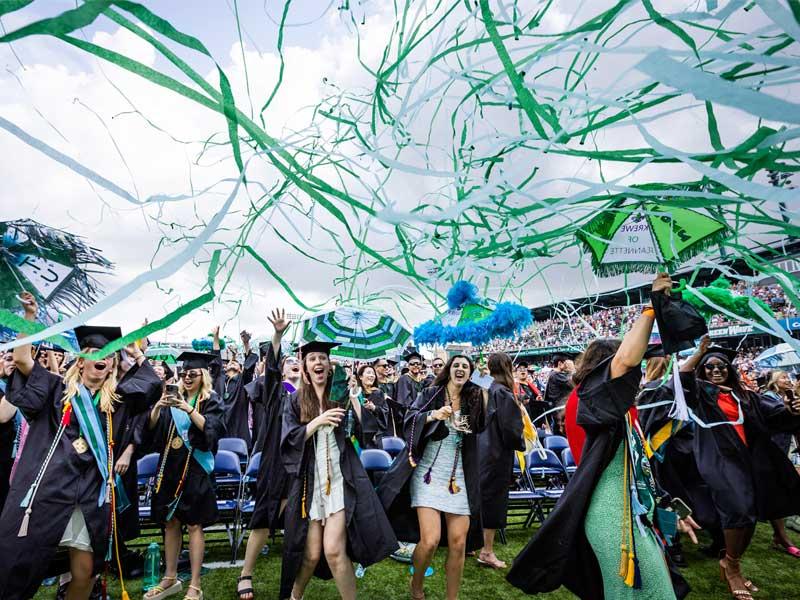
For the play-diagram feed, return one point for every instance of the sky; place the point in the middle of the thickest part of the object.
(157, 146)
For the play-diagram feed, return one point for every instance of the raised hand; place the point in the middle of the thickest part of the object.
(29, 305)
(663, 283)
(279, 321)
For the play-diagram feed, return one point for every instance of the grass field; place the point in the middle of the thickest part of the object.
(777, 574)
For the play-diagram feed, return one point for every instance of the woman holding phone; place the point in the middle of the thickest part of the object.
(185, 425)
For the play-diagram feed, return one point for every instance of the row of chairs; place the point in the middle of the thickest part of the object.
(235, 474)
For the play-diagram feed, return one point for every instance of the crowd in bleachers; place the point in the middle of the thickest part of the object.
(578, 327)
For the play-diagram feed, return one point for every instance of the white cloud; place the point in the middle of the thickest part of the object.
(165, 152)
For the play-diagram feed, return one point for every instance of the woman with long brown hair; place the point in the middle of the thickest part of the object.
(437, 475)
(332, 515)
(599, 541)
(185, 428)
(375, 416)
(63, 488)
(498, 442)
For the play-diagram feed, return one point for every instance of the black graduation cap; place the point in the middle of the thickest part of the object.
(317, 346)
(392, 362)
(559, 356)
(91, 336)
(521, 364)
(196, 360)
(654, 351)
(679, 323)
(263, 349)
(727, 353)
(411, 353)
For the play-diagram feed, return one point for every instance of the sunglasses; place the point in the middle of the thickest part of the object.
(381, 365)
(189, 375)
(715, 367)
(414, 364)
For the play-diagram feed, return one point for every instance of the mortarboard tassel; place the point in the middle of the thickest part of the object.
(427, 477)
(637, 575)
(630, 575)
(303, 512)
(356, 445)
(23, 529)
(454, 489)
(623, 561)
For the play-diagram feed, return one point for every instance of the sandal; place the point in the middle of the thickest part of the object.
(159, 592)
(791, 550)
(493, 562)
(743, 593)
(247, 593)
(196, 589)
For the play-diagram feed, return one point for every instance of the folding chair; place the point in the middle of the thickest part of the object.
(238, 446)
(147, 469)
(568, 461)
(375, 462)
(227, 477)
(556, 443)
(549, 468)
(247, 503)
(393, 445)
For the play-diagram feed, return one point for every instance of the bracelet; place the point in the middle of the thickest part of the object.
(649, 311)
(194, 408)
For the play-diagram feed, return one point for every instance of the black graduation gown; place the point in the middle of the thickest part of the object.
(406, 392)
(558, 388)
(559, 553)
(370, 538)
(272, 482)
(71, 481)
(375, 423)
(502, 436)
(394, 488)
(394, 424)
(138, 380)
(237, 402)
(748, 483)
(8, 433)
(198, 503)
(674, 465)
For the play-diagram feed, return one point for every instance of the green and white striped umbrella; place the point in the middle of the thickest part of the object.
(363, 334)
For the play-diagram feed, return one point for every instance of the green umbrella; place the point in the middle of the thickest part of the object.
(363, 334)
(647, 237)
(166, 353)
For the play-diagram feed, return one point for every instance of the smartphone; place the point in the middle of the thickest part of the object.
(172, 391)
(681, 508)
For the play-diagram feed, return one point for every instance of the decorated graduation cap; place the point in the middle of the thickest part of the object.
(263, 349)
(316, 346)
(196, 360)
(679, 323)
(93, 336)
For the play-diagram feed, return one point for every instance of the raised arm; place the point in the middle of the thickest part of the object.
(634, 344)
(22, 354)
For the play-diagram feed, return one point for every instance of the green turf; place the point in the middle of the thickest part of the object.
(775, 573)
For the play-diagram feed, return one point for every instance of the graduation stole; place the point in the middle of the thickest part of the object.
(639, 493)
(85, 409)
(529, 436)
(182, 422)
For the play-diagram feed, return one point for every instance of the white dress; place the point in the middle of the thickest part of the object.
(325, 449)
